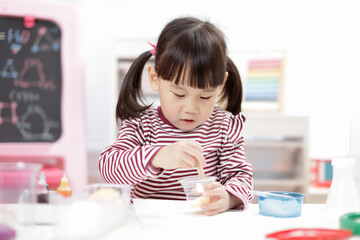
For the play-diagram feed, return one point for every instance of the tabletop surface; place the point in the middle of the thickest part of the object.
(163, 219)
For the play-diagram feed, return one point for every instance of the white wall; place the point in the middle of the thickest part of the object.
(321, 39)
(98, 36)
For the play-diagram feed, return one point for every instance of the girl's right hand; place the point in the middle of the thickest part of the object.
(181, 154)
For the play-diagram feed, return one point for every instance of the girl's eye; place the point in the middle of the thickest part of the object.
(178, 95)
(205, 97)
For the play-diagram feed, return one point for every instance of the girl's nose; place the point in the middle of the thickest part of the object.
(191, 106)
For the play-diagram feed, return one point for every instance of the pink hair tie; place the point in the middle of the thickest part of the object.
(153, 50)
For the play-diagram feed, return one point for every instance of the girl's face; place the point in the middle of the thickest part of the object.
(185, 107)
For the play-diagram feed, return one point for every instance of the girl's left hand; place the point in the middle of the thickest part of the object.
(219, 199)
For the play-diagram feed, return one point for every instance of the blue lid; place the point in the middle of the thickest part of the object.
(6, 233)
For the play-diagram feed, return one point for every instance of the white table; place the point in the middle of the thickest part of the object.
(162, 219)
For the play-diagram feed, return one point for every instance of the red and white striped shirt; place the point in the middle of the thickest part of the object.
(128, 160)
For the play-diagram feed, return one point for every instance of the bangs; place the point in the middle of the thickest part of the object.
(194, 59)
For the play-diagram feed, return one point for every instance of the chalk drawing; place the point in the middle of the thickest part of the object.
(26, 128)
(40, 82)
(13, 119)
(9, 70)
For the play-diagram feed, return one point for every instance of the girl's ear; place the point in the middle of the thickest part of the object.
(153, 78)
(225, 78)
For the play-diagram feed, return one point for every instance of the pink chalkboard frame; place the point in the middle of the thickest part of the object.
(69, 151)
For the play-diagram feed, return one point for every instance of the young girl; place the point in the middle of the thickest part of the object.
(156, 147)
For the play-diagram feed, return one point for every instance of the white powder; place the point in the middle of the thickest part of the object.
(280, 208)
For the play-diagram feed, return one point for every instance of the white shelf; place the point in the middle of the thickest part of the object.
(277, 145)
(284, 182)
(317, 194)
(318, 190)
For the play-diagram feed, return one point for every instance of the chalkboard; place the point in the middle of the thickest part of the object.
(30, 80)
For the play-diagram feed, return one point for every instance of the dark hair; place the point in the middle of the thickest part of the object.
(185, 46)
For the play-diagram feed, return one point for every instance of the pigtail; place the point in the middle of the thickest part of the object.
(130, 102)
(233, 91)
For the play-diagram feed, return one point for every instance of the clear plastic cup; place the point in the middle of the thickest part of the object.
(105, 193)
(194, 188)
(15, 177)
(103, 208)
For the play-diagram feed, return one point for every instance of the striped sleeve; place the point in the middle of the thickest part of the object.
(128, 161)
(233, 171)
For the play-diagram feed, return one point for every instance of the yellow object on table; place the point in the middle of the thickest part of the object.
(105, 193)
(64, 188)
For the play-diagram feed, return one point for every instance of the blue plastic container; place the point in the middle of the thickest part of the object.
(288, 205)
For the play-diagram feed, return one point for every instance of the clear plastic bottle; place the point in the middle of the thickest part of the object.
(42, 190)
(343, 196)
(355, 149)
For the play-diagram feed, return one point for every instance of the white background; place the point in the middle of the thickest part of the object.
(321, 40)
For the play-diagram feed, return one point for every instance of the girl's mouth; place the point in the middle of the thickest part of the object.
(187, 121)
